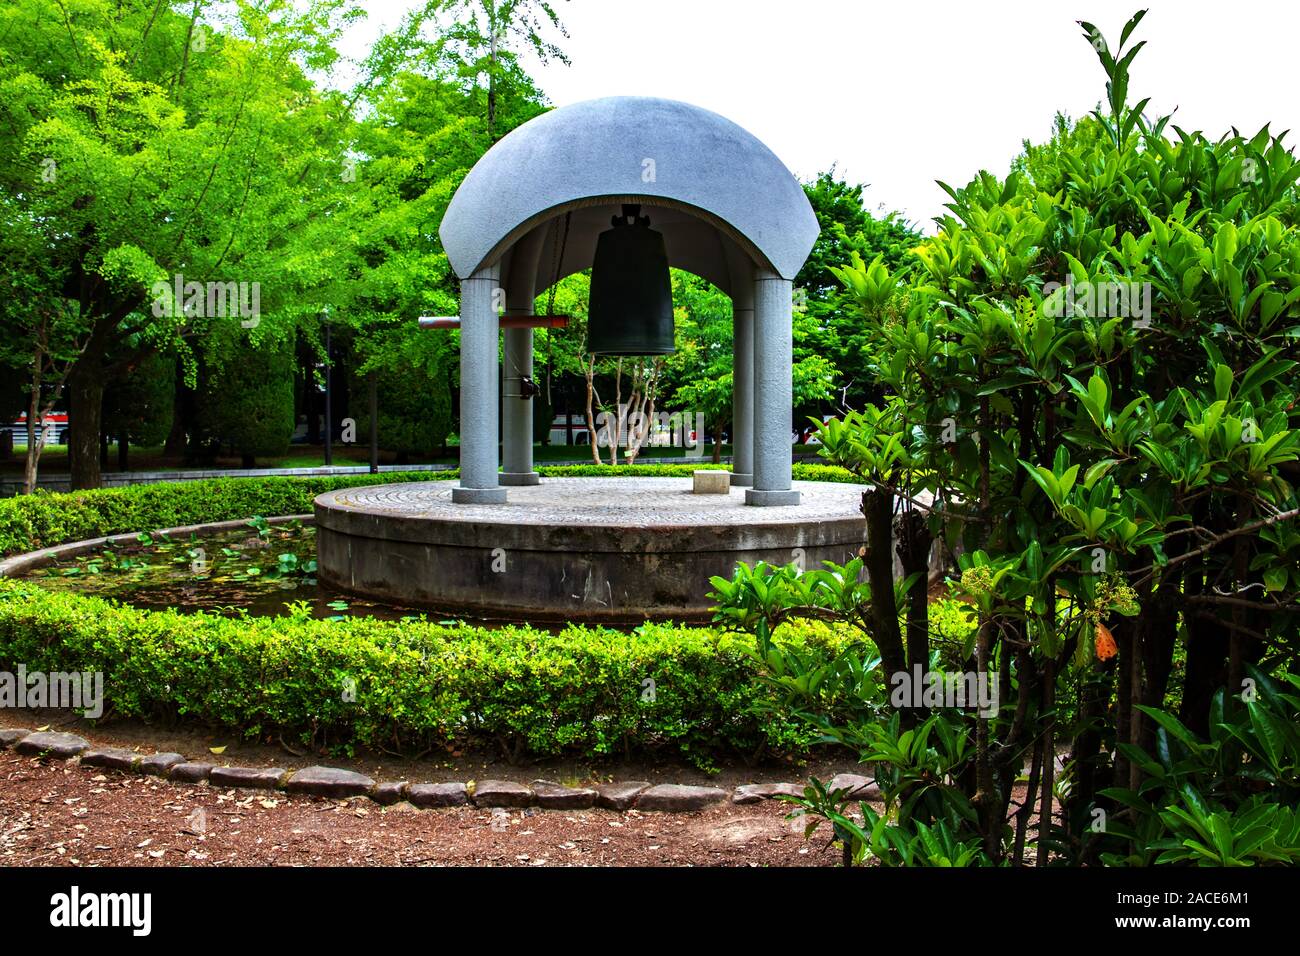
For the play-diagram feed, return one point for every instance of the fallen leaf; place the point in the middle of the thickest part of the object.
(217, 750)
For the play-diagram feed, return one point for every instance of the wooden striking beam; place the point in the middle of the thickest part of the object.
(507, 321)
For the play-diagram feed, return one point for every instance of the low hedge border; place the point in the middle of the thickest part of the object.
(45, 519)
(416, 684)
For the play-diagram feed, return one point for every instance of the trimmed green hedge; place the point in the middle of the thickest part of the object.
(42, 520)
(417, 684)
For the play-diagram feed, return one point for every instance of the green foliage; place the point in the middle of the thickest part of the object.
(247, 398)
(1086, 391)
(141, 403)
(417, 684)
(827, 325)
(414, 404)
(1225, 800)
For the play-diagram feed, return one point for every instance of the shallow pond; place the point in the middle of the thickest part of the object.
(261, 569)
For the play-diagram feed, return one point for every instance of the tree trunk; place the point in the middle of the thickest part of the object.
(174, 447)
(877, 508)
(123, 451)
(85, 405)
(35, 438)
(590, 371)
(914, 544)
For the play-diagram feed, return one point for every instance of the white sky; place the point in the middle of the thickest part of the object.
(900, 94)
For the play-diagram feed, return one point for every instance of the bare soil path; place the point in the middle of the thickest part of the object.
(63, 814)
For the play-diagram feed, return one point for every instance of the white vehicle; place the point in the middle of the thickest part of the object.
(559, 433)
(55, 426)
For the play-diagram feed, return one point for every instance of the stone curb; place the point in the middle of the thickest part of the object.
(336, 783)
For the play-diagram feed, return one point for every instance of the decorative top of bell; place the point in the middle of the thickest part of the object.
(630, 311)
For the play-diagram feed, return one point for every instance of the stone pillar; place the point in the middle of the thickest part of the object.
(773, 391)
(479, 390)
(742, 386)
(518, 431)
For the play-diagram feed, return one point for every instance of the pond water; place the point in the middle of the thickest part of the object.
(261, 569)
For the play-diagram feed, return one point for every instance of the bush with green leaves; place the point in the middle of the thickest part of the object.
(415, 684)
(246, 400)
(1088, 390)
(140, 404)
(1225, 800)
(414, 408)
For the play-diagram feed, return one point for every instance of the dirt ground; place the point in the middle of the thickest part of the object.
(440, 766)
(61, 814)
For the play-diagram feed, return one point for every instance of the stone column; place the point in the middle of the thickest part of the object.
(479, 390)
(773, 391)
(518, 431)
(742, 386)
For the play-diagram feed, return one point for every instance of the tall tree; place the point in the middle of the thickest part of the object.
(480, 42)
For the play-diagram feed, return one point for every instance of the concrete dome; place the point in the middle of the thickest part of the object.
(719, 195)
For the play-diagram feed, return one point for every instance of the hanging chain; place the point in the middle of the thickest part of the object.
(557, 257)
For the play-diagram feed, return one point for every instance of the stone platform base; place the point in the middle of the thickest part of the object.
(581, 549)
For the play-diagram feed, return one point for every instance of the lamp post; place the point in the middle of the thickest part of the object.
(329, 408)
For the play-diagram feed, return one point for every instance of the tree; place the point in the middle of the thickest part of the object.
(412, 369)
(827, 323)
(138, 407)
(476, 43)
(152, 145)
(247, 397)
(1090, 395)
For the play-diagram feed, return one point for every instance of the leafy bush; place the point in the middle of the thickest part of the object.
(1223, 801)
(247, 397)
(414, 408)
(1085, 386)
(42, 520)
(416, 683)
(141, 403)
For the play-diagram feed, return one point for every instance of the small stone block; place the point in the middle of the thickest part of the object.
(620, 796)
(52, 744)
(387, 794)
(675, 798)
(11, 735)
(857, 786)
(189, 772)
(711, 482)
(501, 793)
(329, 782)
(433, 795)
(554, 796)
(111, 757)
(755, 792)
(157, 765)
(252, 778)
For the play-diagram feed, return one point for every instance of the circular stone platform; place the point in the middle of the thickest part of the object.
(583, 549)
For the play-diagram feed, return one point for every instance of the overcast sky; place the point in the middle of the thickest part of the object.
(900, 94)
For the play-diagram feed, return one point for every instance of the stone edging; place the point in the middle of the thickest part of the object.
(339, 784)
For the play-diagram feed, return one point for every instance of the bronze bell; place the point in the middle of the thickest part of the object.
(630, 311)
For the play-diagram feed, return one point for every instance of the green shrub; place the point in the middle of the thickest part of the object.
(246, 401)
(416, 683)
(42, 520)
(141, 403)
(414, 408)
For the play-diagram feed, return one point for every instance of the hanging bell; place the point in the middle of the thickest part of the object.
(630, 311)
